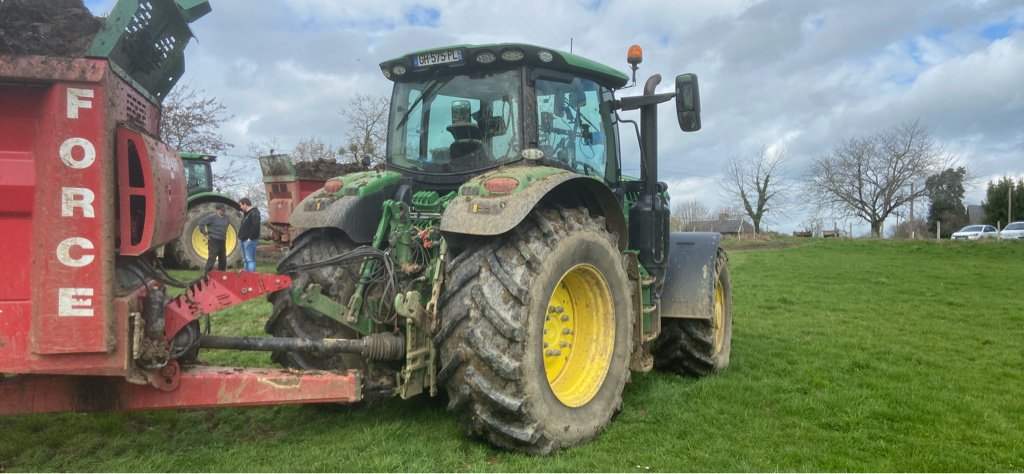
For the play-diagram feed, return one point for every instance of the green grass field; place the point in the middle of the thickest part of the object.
(847, 356)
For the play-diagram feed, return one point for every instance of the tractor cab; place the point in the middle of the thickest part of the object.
(462, 110)
(198, 173)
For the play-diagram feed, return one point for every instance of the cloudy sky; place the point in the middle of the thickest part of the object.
(803, 73)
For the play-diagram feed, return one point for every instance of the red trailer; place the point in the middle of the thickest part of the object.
(285, 189)
(287, 184)
(88, 192)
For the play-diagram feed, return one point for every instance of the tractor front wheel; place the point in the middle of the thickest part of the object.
(700, 347)
(535, 334)
(291, 320)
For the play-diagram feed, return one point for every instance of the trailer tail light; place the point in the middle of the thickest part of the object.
(501, 185)
(332, 186)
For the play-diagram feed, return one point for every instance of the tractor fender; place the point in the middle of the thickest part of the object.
(689, 286)
(213, 197)
(478, 211)
(354, 208)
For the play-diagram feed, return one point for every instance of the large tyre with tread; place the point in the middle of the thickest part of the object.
(535, 334)
(190, 250)
(291, 320)
(700, 347)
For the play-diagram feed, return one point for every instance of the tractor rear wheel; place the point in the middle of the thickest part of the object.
(535, 333)
(190, 249)
(700, 347)
(291, 320)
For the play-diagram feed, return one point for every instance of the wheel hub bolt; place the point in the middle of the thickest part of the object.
(553, 353)
(565, 318)
(567, 331)
(564, 344)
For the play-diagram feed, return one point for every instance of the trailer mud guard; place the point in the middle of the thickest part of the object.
(689, 278)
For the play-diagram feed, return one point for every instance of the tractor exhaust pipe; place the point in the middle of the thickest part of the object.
(373, 347)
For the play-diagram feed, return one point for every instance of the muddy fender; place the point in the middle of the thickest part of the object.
(690, 276)
(354, 208)
(479, 211)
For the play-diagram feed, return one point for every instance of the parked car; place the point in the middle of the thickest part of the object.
(975, 232)
(1013, 230)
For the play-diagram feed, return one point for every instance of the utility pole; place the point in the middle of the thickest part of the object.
(1009, 204)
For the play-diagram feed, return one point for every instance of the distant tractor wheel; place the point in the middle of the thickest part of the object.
(535, 337)
(291, 320)
(190, 250)
(700, 347)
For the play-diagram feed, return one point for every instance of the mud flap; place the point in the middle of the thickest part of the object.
(689, 277)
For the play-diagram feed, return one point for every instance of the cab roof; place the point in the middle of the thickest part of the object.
(469, 58)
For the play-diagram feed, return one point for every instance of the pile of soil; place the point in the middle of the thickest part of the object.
(62, 28)
(321, 170)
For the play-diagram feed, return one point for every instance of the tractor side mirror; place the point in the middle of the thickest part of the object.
(688, 102)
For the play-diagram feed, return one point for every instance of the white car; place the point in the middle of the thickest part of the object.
(975, 232)
(1013, 230)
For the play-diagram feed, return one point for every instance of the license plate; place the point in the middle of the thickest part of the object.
(434, 58)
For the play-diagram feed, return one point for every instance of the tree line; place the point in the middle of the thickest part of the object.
(870, 178)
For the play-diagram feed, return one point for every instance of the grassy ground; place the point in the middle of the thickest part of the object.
(847, 356)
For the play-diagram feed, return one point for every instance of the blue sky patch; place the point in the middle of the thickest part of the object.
(419, 15)
(998, 31)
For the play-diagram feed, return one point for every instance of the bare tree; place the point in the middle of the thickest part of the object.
(756, 184)
(367, 117)
(686, 213)
(190, 121)
(870, 177)
(313, 149)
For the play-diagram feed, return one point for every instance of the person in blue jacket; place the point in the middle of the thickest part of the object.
(249, 233)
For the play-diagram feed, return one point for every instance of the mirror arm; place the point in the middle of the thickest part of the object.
(635, 102)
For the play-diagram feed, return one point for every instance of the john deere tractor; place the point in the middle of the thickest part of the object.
(190, 250)
(501, 256)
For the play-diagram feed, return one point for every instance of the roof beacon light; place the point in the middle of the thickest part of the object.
(634, 56)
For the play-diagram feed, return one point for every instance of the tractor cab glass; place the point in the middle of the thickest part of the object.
(456, 125)
(197, 176)
(571, 129)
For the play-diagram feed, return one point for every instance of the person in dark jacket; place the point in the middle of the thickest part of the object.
(249, 233)
(215, 228)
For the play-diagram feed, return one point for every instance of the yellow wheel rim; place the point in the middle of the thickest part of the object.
(199, 242)
(719, 318)
(579, 335)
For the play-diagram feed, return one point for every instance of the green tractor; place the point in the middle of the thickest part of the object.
(189, 250)
(501, 256)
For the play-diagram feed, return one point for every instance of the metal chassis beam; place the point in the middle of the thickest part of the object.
(195, 387)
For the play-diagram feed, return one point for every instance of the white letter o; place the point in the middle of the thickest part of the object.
(89, 153)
